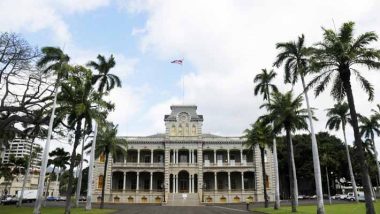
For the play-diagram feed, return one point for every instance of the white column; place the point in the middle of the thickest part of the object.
(214, 157)
(176, 156)
(229, 181)
(192, 184)
(241, 156)
(173, 157)
(242, 181)
(138, 181)
(151, 156)
(228, 157)
(176, 183)
(191, 156)
(151, 181)
(138, 156)
(124, 180)
(190, 176)
(215, 182)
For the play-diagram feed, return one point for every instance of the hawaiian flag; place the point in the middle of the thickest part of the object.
(177, 61)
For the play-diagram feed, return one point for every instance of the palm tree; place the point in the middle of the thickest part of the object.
(295, 55)
(260, 135)
(59, 158)
(338, 115)
(285, 113)
(108, 143)
(368, 128)
(334, 60)
(78, 101)
(265, 87)
(105, 80)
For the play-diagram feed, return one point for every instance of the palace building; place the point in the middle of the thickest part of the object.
(184, 166)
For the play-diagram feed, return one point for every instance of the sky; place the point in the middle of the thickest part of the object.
(224, 44)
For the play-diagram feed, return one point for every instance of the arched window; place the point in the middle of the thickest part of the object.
(100, 181)
(194, 130)
(180, 131)
(187, 130)
(102, 157)
(173, 130)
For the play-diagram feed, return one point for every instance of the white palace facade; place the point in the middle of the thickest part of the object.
(183, 166)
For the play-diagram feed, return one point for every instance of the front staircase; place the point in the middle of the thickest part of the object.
(183, 199)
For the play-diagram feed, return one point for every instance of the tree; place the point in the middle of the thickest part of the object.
(335, 58)
(58, 158)
(264, 87)
(104, 79)
(261, 135)
(295, 55)
(368, 128)
(337, 116)
(108, 143)
(285, 113)
(78, 101)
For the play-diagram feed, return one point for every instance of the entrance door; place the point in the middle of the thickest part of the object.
(183, 182)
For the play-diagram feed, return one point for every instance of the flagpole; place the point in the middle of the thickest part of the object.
(183, 84)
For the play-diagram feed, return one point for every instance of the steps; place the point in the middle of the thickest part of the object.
(183, 199)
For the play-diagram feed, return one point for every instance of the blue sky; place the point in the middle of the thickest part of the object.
(224, 44)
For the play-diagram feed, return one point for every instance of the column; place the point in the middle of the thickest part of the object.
(229, 181)
(173, 157)
(151, 181)
(190, 177)
(228, 157)
(191, 157)
(176, 183)
(176, 156)
(137, 181)
(214, 157)
(151, 156)
(124, 180)
(194, 156)
(242, 181)
(173, 184)
(138, 156)
(215, 182)
(192, 184)
(241, 156)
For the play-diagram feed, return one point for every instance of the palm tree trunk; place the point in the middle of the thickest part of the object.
(79, 182)
(350, 165)
(276, 174)
(294, 171)
(292, 179)
(104, 180)
(71, 169)
(26, 174)
(48, 186)
(328, 185)
(264, 177)
(314, 148)
(377, 162)
(344, 75)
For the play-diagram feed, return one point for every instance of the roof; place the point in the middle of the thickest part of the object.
(191, 110)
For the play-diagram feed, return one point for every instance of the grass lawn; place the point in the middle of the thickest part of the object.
(330, 209)
(51, 210)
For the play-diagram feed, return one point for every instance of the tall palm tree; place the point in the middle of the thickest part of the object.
(265, 87)
(59, 158)
(368, 128)
(334, 60)
(105, 80)
(108, 143)
(339, 115)
(78, 102)
(295, 55)
(261, 135)
(286, 113)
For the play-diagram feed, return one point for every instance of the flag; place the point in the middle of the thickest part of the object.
(177, 61)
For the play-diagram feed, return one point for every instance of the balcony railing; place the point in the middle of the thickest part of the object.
(207, 163)
(141, 164)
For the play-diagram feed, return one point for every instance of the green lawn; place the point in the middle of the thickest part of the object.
(330, 209)
(51, 210)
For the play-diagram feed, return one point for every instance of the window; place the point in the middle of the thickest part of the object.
(180, 133)
(100, 181)
(187, 130)
(194, 130)
(173, 131)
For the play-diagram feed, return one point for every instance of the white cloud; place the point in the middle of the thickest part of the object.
(228, 42)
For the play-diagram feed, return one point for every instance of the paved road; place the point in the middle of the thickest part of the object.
(137, 209)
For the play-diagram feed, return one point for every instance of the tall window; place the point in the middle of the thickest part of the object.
(100, 181)
(180, 131)
(173, 130)
(194, 130)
